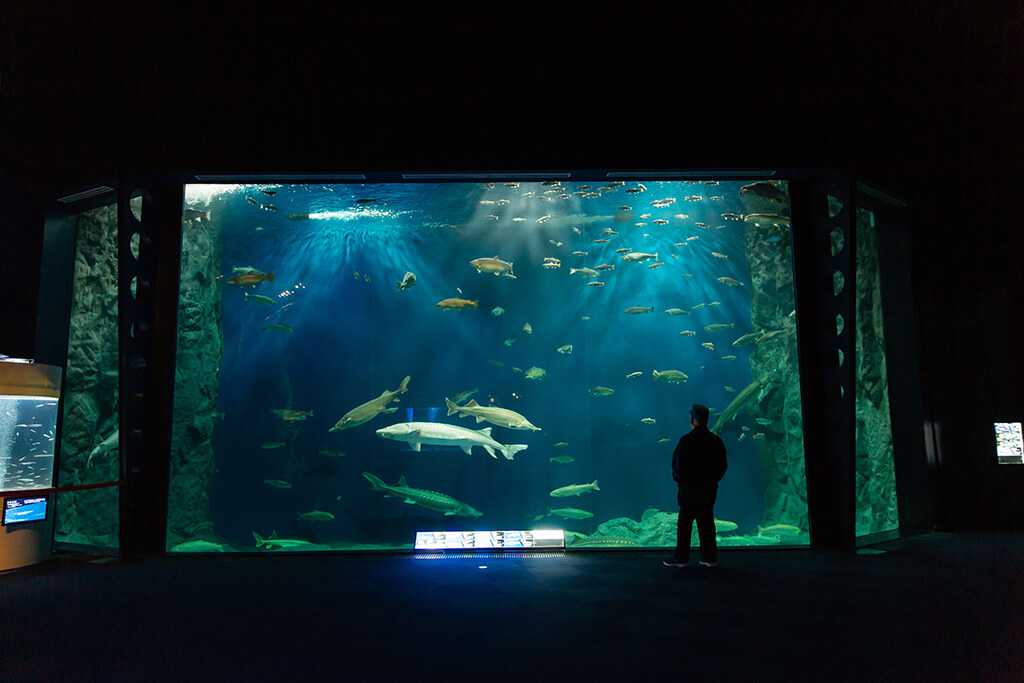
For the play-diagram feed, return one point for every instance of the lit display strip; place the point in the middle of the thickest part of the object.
(489, 540)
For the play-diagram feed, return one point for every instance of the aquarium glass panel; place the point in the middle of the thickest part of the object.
(27, 425)
(359, 363)
(89, 436)
(876, 476)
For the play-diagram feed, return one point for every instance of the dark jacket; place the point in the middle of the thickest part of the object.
(699, 463)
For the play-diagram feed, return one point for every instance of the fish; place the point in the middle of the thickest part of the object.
(659, 264)
(527, 330)
(561, 444)
(369, 410)
(730, 216)
(268, 207)
(595, 284)
(637, 256)
(332, 452)
(292, 415)
(493, 265)
(298, 216)
(764, 190)
(251, 200)
(605, 266)
(270, 445)
(663, 202)
(729, 389)
(722, 525)
(728, 357)
(510, 341)
(365, 201)
(677, 311)
(730, 281)
(554, 243)
(455, 304)
(355, 275)
(274, 542)
(193, 214)
(624, 208)
(770, 219)
(748, 338)
(260, 299)
(585, 272)
(718, 255)
(463, 395)
(608, 231)
(741, 436)
(635, 310)
(714, 304)
(716, 327)
(688, 333)
(768, 335)
(502, 417)
(316, 516)
(199, 546)
(778, 530)
(752, 393)
(571, 513)
(574, 490)
(535, 374)
(280, 327)
(432, 500)
(634, 374)
(601, 391)
(580, 253)
(763, 421)
(660, 221)
(562, 459)
(277, 483)
(758, 436)
(716, 198)
(109, 443)
(496, 363)
(649, 420)
(409, 280)
(710, 346)
(567, 349)
(601, 241)
(440, 434)
(670, 375)
(698, 306)
(247, 270)
(664, 440)
(497, 311)
(544, 219)
(250, 279)
(551, 264)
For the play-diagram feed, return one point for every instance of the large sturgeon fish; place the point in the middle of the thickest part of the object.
(440, 434)
(432, 500)
(370, 409)
(503, 417)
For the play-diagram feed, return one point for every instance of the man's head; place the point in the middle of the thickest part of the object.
(699, 415)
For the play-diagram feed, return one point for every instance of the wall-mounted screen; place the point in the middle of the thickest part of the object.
(1009, 443)
(361, 362)
(18, 510)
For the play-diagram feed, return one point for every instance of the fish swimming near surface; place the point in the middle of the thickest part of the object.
(502, 417)
(369, 410)
(670, 375)
(574, 490)
(409, 280)
(764, 190)
(432, 500)
(250, 279)
(455, 304)
(440, 434)
(493, 265)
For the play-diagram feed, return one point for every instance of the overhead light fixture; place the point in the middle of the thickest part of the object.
(85, 194)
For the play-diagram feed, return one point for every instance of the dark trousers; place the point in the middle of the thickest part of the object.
(699, 506)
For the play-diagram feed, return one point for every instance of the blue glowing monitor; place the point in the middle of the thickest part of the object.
(19, 510)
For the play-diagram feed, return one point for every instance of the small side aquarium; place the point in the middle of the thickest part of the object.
(29, 395)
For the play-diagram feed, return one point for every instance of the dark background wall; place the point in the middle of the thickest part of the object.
(921, 99)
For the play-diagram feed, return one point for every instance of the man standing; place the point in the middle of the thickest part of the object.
(698, 464)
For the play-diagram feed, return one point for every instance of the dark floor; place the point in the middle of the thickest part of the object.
(932, 608)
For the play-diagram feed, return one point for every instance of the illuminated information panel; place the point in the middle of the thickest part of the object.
(1009, 443)
(489, 540)
(18, 510)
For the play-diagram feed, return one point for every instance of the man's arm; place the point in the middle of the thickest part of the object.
(676, 457)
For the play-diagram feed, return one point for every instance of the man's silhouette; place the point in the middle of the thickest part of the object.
(698, 464)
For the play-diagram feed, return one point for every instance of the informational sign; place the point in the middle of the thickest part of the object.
(1009, 443)
(489, 540)
(18, 510)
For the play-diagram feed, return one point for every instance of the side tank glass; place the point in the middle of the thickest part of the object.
(28, 422)
(89, 437)
(876, 477)
(357, 363)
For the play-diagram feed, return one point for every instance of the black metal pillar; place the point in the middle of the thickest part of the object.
(147, 334)
(824, 215)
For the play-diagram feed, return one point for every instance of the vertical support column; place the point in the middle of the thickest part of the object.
(823, 215)
(148, 311)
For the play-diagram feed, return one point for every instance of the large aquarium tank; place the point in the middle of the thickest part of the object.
(361, 362)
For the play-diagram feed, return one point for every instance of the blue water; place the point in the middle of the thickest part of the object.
(355, 335)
